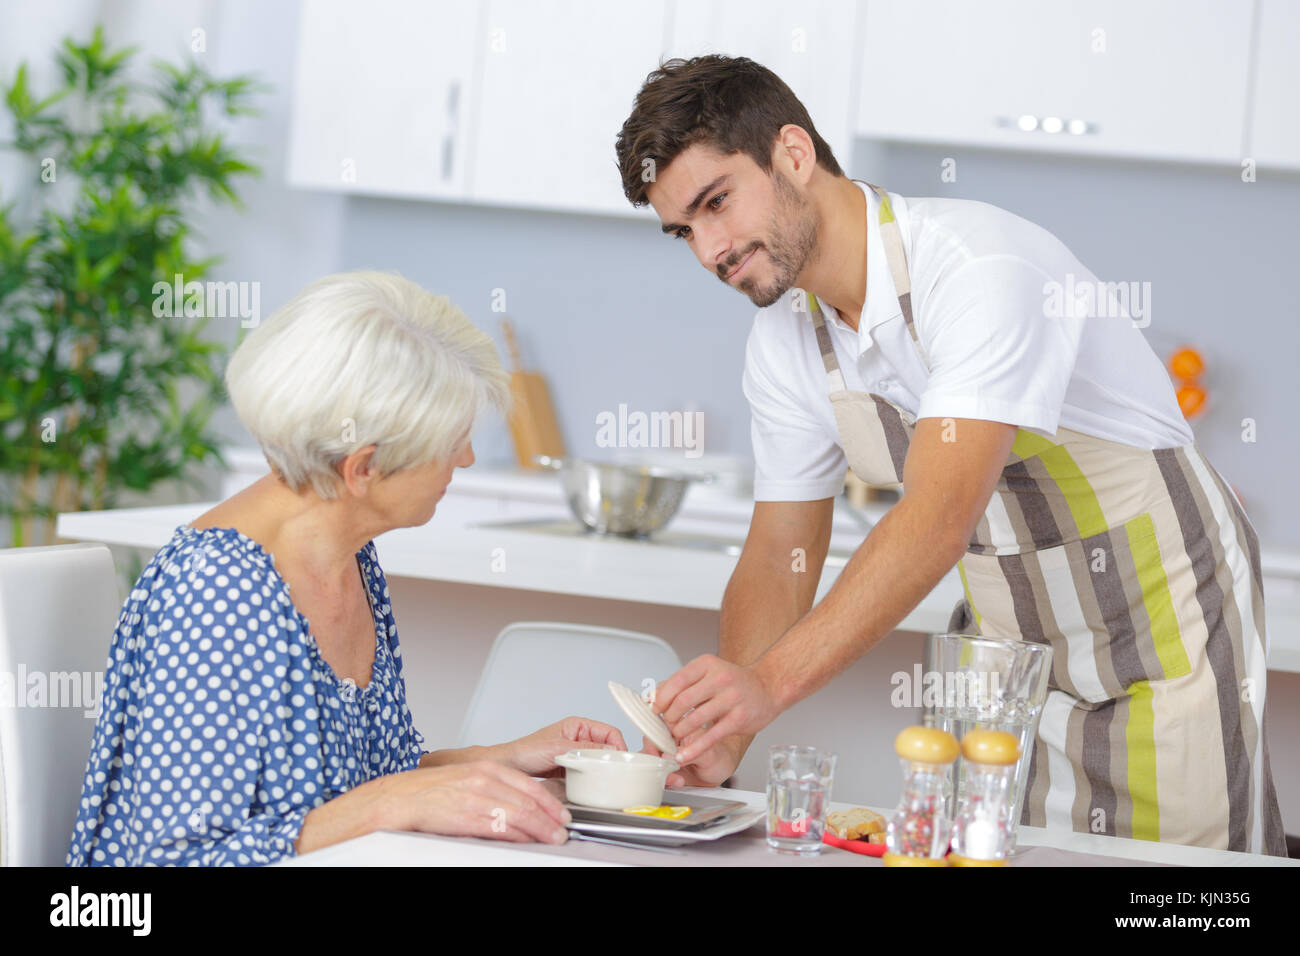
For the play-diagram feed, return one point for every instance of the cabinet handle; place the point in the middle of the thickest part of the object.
(453, 123)
(1047, 124)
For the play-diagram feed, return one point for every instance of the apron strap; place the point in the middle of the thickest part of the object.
(892, 239)
(834, 378)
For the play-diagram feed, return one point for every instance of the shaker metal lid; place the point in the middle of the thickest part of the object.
(996, 747)
(926, 745)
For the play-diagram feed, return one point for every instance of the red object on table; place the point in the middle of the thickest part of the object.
(854, 846)
(786, 828)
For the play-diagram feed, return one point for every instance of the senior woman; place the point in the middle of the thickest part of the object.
(254, 701)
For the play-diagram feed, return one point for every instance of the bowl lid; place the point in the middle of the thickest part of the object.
(647, 721)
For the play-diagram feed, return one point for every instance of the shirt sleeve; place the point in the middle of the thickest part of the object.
(211, 756)
(997, 351)
(795, 459)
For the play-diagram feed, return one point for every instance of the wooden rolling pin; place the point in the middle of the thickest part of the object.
(533, 425)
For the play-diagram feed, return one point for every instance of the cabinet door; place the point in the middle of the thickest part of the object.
(384, 96)
(559, 78)
(809, 45)
(1153, 79)
(1275, 123)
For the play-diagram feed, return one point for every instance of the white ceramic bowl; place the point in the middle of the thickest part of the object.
(614, 779)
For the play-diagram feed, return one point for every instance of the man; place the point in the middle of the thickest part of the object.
(1041, 450)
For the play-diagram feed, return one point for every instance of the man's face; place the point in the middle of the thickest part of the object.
(754, 231)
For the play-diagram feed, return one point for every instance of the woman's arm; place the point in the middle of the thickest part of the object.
(217, 766)
(482, 799)
(536, 753)
(446, 758)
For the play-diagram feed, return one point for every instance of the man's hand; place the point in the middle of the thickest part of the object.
(711, 699)
(709, 769)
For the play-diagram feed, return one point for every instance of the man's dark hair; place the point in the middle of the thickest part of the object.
(729, 103)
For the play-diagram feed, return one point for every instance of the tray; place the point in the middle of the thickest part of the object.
(734, 817)
(704, 811)
(726, 826)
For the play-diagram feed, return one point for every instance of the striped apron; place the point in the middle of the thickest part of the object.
(1141, 571)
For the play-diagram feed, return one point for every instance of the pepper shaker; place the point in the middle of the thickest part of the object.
(918, 831)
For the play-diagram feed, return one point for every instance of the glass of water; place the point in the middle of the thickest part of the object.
(991, 684)
(798, 791)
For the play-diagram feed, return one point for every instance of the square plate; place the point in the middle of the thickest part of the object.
(733, 823)
(737, 816)
(704, 811)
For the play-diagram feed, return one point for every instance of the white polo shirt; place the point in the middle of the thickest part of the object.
(1003, 346)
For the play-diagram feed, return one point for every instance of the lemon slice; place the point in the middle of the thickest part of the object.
(672, 813)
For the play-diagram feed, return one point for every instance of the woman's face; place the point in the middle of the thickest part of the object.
(408, 498)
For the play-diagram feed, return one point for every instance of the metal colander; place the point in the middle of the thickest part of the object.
(628, 500)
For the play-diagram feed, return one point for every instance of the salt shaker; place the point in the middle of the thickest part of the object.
(982, 830)
(917, 833)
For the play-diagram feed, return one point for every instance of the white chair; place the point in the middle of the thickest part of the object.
(58, 607)
(538, 673)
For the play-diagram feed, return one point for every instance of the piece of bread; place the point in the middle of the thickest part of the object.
(875, 838)
(856, 824)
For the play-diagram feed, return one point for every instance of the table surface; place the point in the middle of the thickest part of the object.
(1041, 847)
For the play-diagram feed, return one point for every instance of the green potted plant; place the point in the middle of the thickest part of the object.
(100, 390)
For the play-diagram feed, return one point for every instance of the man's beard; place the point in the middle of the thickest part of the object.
(791, 244)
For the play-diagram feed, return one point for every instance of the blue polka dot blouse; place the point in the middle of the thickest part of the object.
(222, 725)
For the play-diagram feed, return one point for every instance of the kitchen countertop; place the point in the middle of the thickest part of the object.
(463, 543)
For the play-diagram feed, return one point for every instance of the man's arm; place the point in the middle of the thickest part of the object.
(949, 476)
(776, 577)
(773, 586)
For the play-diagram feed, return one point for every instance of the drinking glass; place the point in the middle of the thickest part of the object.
(989, 683)
(798, 791)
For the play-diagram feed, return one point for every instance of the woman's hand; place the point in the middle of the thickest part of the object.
(481, 799)
(535, 754)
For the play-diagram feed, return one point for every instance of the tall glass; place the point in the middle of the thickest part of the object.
(798, 791)
(988, 683)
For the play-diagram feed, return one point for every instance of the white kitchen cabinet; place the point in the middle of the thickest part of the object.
(559, 78)
(1274, 138)
(385, 100)
(809, 45)
(1155, 79)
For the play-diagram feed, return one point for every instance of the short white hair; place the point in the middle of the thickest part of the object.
(357, 359)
